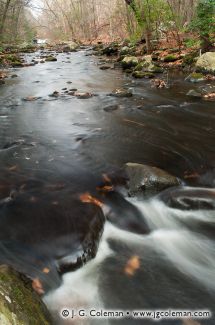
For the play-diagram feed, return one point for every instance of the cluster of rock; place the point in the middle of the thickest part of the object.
(135, 61)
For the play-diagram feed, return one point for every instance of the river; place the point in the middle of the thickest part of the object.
(53, 149)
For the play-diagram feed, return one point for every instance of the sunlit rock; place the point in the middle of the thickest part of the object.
(148, 179)
(206, 62)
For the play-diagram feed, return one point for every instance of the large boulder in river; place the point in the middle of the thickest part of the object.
(206, 62)
(70, 47)
(147, 179)
(45, 226)
(19, 303)
(129, 62)
(147, 64)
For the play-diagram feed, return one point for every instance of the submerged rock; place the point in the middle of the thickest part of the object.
(206, 62)
(194, 93)
(147, 179)
(121, 93)
(104, 67)
(55, 94)
(140, 75)
(80, 95)
(111, 108)
(51, 59)
(19, 303)
(195, 77)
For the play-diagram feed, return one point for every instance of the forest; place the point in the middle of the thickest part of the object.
(86, 21)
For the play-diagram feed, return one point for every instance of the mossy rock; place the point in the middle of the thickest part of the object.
(189, 59)
(125, 50)
(51, 59)
(157, 69)
(19, 303)
(129, 62)
(16, 64)
(170, 58)
(14, 60)
(196, 77)
(140, 75)
(111, 49)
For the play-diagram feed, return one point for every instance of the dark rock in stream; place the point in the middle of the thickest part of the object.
(187, 198)
(124, 215)
(121, 93)
(55, 94)
(111, 108)
(19, 303)
(144, 179)
(194, 93)
(80, 95)
(104, 67)
(62, 232)
(51, 59)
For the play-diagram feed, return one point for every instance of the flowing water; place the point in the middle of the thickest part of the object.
(54, 149)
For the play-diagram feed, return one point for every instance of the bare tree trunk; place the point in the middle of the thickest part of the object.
(4, 16)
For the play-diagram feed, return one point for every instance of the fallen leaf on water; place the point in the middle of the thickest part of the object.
(46, 270)
(87, 198)
(134, 122)
(132, 265)
(37, 286)
(105, 188)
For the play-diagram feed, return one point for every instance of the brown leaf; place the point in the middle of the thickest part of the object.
(132, 265)
(87, 198)
(46, 270)
(37, 286)
(106, 188)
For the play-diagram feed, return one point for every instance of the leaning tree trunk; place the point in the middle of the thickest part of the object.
(141, 21)
(206, 44)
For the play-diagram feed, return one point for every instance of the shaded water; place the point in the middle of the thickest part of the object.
(53, 149)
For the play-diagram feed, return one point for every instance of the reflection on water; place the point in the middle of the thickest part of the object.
(53, 149)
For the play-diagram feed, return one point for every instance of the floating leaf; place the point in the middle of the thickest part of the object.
(132, 265)
(46, 270)
(87, 198)
(37, 286)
